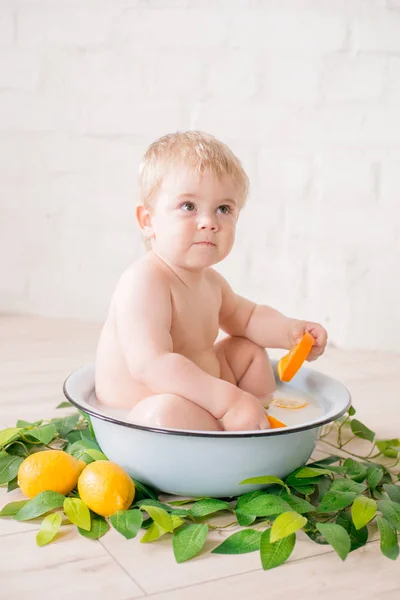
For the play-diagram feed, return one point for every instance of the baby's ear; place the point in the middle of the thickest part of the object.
(143, 217)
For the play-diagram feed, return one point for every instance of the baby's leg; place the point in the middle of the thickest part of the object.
(246, 365)
(170, 411)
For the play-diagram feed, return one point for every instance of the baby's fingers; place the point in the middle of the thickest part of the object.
(315, 353)
(320, 336)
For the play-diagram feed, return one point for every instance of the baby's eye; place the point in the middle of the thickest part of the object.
(188, 206)
(224, 209)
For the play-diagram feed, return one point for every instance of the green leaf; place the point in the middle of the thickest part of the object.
(352, 411)
(44, 433)
(294, 481)
(387, 477)
(310, 472)
(12, 485)
(245, 498)
(361, 430)
(64, 404)
(11, 509)
(88, 420)
(151, 502)
(306, 490)
(355, 469)
(389, 448)
(9, 435)
(341, 493)
(273, 555)
(79, 434)
(49, 528)
(188, 541)
(77, 512)
(159, 516)
(147, 522)
(374, 475)
(346, 485)
(336, 470)
(393, 491)
(298, 504)
(391, 452)
(153, 533)
(337, 537)
(87, 450)
(264, 480)
(389, 543)
(329, 460)
(79, 447)
(66, 425)
(98, 528)
(39, 505)
(241, 542)
(244, 518)
(143, 491)
(208, 506)
(312, 532)
(391, 511)
(179, 512)
(127, 522)
(358, 537)
(18, 448)
(285, 524)
(362, 511)
(95, 454)
(25, 424)
(186, 501)
(264, 506)
(324, 484)
(335, 500)
(9, 466)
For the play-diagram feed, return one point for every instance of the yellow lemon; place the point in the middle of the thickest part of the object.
(106, 488)
(49, 470)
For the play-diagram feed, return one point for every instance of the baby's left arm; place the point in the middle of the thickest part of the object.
(265, 325)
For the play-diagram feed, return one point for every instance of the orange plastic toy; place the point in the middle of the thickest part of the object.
(275, 423)
(290, 363)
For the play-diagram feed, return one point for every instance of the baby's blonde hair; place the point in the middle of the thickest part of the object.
(195, 149)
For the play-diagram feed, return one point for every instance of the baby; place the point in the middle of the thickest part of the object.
(157, 352)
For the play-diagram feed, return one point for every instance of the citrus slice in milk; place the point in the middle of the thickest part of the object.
(291, 403)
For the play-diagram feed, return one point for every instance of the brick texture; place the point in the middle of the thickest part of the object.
(307, 94)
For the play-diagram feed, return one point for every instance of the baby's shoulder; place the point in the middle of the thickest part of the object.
(141, 278)
(215, 278)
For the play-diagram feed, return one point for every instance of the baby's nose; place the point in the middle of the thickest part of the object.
(206, 222)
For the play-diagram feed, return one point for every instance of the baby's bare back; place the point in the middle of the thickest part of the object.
(193, 326)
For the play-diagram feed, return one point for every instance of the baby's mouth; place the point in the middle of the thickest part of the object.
(205, 243)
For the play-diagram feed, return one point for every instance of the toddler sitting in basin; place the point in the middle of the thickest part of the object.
(157, 352)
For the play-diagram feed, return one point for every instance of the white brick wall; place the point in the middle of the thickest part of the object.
(307, 94)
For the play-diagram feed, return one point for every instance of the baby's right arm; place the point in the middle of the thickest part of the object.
(143, 318)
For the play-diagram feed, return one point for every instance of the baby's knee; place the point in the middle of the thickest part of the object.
(171, 411)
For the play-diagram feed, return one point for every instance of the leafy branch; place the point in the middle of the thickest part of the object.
(337, 500)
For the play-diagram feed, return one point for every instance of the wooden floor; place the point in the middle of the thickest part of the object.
(36, 355)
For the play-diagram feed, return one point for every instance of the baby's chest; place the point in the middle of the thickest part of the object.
(195, 317)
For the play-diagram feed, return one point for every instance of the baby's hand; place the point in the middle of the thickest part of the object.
(245, 413)
(318, 332)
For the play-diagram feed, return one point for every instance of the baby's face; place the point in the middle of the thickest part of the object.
(194, 218)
